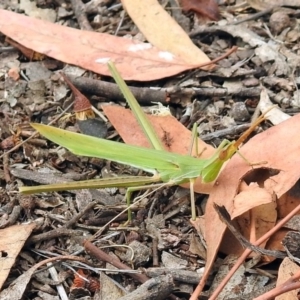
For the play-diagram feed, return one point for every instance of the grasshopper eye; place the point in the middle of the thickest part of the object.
(223, 155)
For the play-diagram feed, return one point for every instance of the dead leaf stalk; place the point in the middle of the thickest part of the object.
(58, 232)
(6, 168)
(79, 11)
(102, 256)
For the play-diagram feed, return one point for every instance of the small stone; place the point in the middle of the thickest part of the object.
(142, 254)
(63, 13)
(93, 127)
(279, 21)
(239, 112)
(14, 73)
(250, 82)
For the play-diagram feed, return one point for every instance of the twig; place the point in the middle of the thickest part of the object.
(155, 262)
(36, 133)
(6, 168)
(60, 288)
(13, 217)
(79, 12)
(112, 91)
(58, 232)
(102, 256)
(212, 62)
(7, 49)
(158, 288)
(146, 96)
(75, 218)
(223, 132)
(254, 16)
(186, 276)
(123, 13)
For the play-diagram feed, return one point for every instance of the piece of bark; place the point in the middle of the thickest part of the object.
(157, 288)
(185, 276)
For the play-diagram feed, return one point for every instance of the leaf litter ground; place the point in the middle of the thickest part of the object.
(162, 237)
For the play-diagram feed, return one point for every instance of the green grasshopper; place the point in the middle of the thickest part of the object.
(166, 167)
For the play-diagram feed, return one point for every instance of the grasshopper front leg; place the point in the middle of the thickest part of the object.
(251, 164)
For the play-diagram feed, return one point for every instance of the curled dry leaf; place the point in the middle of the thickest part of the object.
(276, 177)
(207, 9)
(12, 240)
(92, 50)
(82, 105)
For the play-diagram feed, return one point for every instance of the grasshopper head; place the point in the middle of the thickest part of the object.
(213, 166)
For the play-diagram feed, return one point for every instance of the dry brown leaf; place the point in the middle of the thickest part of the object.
(275, 243)
(286, 269)
(162, 31)
(92, 50)
(283, 157)
(249, 198)
(257, 221)
(207, 9)
(166, 127)
(285, 204)
(196, 247)
(254, 211)
(12, 240)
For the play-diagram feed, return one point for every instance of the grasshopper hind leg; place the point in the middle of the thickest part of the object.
(192, 192)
